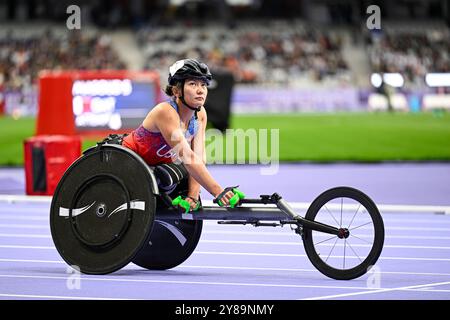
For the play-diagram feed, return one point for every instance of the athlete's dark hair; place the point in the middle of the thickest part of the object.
(169, 88)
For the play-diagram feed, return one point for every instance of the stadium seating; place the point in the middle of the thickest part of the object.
(275, 53)
(283, 54)
(412, 50)
(24, 54)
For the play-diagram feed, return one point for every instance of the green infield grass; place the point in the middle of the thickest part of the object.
(359, 137)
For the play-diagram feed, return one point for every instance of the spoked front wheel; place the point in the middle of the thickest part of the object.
(352, 253)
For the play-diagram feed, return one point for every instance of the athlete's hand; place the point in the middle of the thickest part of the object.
(225, 199)
(193, 202)
(185, 204)
(229, 196)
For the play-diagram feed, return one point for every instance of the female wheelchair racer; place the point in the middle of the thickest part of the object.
(115, 204)
(174, 132)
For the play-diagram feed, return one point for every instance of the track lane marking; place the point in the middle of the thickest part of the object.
(232, 268)
(40, 236)
(407, 288)
(106, 279)
(247, 254)
(33, 296)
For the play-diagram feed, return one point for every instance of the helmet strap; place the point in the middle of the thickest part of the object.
(184, 102)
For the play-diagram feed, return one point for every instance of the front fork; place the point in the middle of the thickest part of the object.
(304, 223)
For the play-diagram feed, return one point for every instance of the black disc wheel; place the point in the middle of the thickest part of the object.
(356, 249)
(171, 241)
(170, 244)
(103, 210)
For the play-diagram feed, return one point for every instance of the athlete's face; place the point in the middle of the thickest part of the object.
(195, 92)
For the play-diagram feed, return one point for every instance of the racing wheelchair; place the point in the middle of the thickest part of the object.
(110, 208)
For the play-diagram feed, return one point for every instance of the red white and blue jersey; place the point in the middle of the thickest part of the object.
(152, 147)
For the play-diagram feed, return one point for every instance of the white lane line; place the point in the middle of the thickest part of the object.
(296, 205)
(243, 284)
(27, 247)
(32, 261)
(306, 270)
(252, 233)
(401, 208)
(34, 296)
(289, 233)
(379, 291)
(414, 237)
(22, 218)
(247, 254)
(44, 216)
(25, 236)
(25, 210)
(322, 244)
(431, 220)
(387, 228)
(36, 236)
(427, 290)
(234, 268)
(24, 226)
(303, 255)
(24, 198)
(368, 290)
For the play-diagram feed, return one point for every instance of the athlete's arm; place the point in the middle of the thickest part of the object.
(168, 123)
(198, 146)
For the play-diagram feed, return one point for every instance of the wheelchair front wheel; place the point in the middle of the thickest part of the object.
(350, 256)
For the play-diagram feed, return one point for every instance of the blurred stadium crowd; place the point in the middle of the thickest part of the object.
(412, 53)
(255, 54)
(249, 40)
(21, 59)
(264, 54)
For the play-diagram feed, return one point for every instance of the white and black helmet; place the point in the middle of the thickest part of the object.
(189, 69)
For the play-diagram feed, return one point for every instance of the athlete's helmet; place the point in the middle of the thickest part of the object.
(188, 69)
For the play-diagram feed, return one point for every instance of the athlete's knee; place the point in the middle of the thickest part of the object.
(169, 175)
